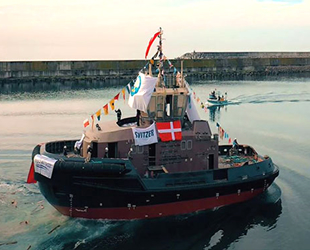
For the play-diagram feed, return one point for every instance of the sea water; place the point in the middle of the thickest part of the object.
(273, 116)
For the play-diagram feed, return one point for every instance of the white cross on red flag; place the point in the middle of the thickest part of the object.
(169, 131)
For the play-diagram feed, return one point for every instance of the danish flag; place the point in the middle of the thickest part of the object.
(169, 131)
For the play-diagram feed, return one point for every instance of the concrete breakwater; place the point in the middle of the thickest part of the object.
(55, 75)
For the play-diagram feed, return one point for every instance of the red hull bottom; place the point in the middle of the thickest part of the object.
(161, 210)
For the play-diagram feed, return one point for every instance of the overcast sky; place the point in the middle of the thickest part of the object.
(121, 29)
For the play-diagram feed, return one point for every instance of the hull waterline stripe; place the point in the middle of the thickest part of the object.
(161, 210)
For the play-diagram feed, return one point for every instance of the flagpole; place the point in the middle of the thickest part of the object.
(160, 45)
(160, 57)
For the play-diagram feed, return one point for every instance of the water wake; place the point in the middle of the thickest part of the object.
(271, 98)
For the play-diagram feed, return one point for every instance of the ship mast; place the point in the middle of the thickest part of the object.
(160, 64)
(160, 46)
(169, 99)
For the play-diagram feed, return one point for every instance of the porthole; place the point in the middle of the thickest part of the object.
(137, 149)
(183, 145)
(186, 145)
(189, 144)
(140, 149)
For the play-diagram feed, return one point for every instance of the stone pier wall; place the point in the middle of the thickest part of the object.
(50, 75)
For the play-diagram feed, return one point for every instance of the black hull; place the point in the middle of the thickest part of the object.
(112, 188)
(85, 197)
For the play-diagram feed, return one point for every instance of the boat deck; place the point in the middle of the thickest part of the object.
(227, 161)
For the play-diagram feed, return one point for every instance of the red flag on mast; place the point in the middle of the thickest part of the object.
(150, 43)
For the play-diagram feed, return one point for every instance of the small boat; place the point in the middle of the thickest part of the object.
(216, 99)
(164, 161)
(216, 102)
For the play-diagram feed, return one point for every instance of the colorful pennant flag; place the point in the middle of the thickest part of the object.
(98, 114)
(116, 97)
(86, 123)
(128, 88)
(123, 92)
(106, 109)
(221, 133)
(226, 135)
(112, 104)
(170, 64)
(92, 121)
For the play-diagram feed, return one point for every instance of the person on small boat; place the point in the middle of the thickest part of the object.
(222, 98)
(212, 95)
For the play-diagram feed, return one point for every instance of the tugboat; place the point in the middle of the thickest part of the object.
(162, 162)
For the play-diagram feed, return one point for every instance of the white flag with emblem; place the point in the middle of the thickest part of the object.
(141, 92)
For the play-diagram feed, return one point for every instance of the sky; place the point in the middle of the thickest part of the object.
(121, 29)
